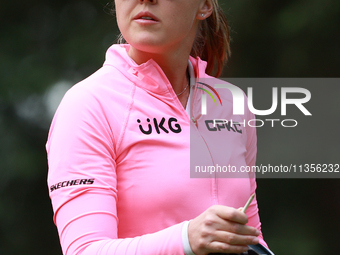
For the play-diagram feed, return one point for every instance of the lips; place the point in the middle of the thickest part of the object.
(145, 15)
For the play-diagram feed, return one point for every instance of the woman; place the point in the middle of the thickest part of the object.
(119, 144)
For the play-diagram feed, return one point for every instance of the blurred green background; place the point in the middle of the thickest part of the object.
(47, 46)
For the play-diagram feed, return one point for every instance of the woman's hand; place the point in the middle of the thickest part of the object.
(221, 229)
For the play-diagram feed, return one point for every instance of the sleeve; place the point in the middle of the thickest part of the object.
(253, 211)
(83, 185)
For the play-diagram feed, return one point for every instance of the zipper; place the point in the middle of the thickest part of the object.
(195, 121)
(214, 184)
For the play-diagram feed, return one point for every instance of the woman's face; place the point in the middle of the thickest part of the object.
(156, 26)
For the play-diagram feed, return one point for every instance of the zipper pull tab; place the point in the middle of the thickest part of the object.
(194, 120)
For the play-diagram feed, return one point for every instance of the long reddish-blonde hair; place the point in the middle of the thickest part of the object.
(212, 42)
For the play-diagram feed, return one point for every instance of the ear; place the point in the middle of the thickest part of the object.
(205, 10)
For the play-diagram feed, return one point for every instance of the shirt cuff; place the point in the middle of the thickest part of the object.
(185, 239)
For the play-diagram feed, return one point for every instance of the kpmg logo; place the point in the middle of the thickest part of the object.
(239, 103)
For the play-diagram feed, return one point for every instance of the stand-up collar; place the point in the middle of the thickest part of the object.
(148, 75)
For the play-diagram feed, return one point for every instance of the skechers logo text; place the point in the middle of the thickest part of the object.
(159, 125)
(71, 183)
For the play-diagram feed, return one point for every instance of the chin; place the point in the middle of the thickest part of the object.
(148, 45)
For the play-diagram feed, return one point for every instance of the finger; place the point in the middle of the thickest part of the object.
(235, 239)
(231, 214)
(239, 229)
(233, 227)
(221, 247)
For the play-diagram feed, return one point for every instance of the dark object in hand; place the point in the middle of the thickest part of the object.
(253, 250)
